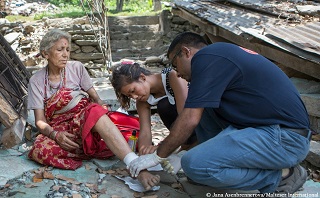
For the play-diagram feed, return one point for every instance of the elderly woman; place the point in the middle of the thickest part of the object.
(70, 115)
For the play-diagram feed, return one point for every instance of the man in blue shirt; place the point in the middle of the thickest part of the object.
(251, 124)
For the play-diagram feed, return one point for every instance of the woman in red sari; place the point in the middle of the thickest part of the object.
(70, 115)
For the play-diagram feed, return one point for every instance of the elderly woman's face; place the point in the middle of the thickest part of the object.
(59, 54)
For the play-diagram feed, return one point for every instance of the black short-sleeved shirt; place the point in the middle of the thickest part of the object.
(244, 88)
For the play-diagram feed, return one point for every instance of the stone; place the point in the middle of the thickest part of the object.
(314, 153)
(86, 42)
(28, 29)
(87, 49)
(153, 59)
(305, 86)
(312, 103)
(11, 37)
(86, 56)
(14, 134)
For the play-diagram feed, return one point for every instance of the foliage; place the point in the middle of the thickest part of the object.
(65, 2)
(65, 11)
(13, 18)
(133, 6)
(73, 9)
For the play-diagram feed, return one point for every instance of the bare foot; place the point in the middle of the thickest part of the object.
(148, 180)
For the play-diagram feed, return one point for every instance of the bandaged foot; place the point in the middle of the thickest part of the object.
(147, 179)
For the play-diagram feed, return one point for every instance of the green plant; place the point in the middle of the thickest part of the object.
(73, 9)
(64, 2)
(13, 18)
(66, 11)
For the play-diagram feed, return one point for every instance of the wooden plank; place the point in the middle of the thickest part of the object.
(7, 114)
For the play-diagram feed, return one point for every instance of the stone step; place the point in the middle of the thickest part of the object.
(133, 20)
(135, 36)
(133, 28)
(133, 44)
(138, 53)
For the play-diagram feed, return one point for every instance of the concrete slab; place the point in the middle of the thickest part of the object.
(14, 164)
(107, 164)
(310, 189)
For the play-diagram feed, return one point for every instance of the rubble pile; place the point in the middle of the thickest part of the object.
(24, 38)
(22, 7)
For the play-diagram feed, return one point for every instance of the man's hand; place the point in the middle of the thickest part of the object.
(144, 162)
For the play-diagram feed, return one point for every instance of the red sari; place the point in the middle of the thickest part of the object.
(78, 121)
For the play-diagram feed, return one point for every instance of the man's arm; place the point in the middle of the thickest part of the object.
(182, 128)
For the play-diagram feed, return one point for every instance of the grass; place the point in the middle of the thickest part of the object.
(13, 18)
(130, 8)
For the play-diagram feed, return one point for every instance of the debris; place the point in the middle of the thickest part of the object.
(135, 185)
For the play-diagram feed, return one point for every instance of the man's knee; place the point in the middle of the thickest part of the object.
(190, 163)
(197, 170)
(185, 161)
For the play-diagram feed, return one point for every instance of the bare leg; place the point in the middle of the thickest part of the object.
(112, 137)
(148, 180)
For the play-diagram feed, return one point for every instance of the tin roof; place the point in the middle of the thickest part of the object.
(287, 32)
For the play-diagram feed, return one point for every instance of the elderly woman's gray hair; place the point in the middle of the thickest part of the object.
(51, 37)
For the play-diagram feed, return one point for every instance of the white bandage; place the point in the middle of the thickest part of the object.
(129, 157)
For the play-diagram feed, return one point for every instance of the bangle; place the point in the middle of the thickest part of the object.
(55, 135)
(51, 133)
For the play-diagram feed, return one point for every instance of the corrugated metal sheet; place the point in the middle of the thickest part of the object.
(278, 23)
(229, 18)
(306, 37)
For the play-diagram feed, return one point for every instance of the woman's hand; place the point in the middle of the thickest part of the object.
(106, 106)
(65, 141)
(143, 150)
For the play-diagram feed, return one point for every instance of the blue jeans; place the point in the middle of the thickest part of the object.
(244, 159)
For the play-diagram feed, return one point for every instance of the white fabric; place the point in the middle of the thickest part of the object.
(153, 101)
(135, 185)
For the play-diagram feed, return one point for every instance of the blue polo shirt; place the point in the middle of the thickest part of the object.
(244, 88)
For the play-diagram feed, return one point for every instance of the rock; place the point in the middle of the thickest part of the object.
(4, 21)
(11, 37)
(153, 59)
(28, 29)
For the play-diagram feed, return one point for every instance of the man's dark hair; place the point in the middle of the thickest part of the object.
(187, 38)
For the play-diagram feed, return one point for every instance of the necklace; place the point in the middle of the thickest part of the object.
(48, 84)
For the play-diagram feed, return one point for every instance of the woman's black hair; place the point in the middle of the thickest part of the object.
(125, 74)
